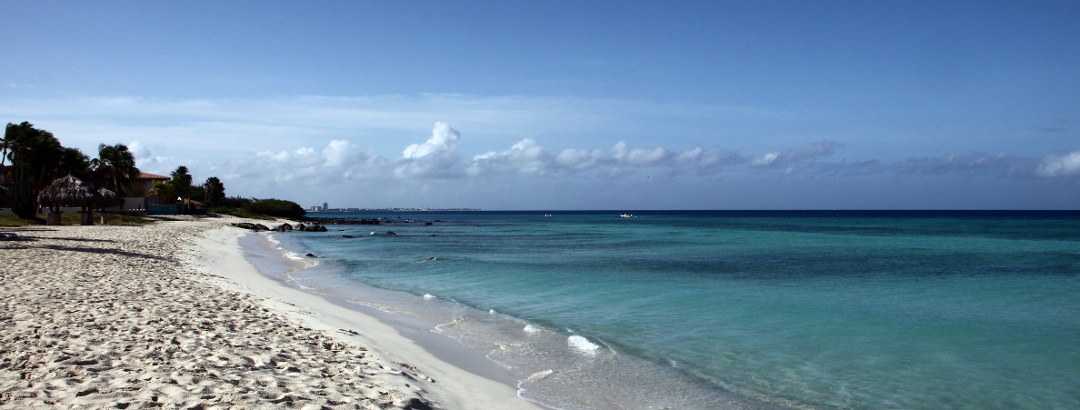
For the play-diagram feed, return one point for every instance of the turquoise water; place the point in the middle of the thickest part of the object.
(861, 310)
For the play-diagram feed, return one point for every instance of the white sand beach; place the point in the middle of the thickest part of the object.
(171, 315)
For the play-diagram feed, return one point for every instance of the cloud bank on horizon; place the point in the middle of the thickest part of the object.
(527, 169)
(569, 105)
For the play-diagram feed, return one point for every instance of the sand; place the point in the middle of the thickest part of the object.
(171, 315)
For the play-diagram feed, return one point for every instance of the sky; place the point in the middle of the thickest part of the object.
(514, 105)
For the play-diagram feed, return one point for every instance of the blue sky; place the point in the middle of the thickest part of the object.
(569, 105)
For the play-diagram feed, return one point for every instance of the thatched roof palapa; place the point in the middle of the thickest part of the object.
(107, 198)
(67, 191)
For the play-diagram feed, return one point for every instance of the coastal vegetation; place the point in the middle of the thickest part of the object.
(260, 208)
(32, 159)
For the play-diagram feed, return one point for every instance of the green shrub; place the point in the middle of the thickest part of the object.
(275, 207)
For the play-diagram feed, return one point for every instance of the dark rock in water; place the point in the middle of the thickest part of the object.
(390, 233)
(311, 228)
(283, 228)
(428, 224)
(350, 221)
(418, 404)
(311, 255)
(251, 226)
(346, 236)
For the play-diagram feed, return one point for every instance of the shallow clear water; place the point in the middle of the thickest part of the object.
(741, 309)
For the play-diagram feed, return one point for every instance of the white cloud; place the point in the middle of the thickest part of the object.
(808, 151)
(525, 156)
(341, 153)
(529, 157)
(576, 159)
(1063, 165)
(443, 139)
(766, 159)
(223, 129)
(354, 141)
(708, 157)
(435, 158)
(138, 150)
(639, 157)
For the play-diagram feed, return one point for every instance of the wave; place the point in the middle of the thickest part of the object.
(581, 344)
(289, 253)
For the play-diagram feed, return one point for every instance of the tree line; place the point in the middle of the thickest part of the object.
(31, 158)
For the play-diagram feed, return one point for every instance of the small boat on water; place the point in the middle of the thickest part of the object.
(547, 215)
(626, 215)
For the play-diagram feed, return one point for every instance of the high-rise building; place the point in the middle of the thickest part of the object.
(325, 206)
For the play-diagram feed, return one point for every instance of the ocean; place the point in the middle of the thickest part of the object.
(730, 309)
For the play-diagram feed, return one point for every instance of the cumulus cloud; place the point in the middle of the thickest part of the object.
(138, 150)
(301, 164)
(145, 159)
(341, 153)
(576, 159)
(435, 158)
(443, 139)
(707, 160)
(342, 166)
(529, 157)
(525, 156)
(808, 151)
(338, 162)
(639, 157)
(1058, 166)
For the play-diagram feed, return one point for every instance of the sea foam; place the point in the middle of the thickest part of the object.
(581, 344)
(538, 376)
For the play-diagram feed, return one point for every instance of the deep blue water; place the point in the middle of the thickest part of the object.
(691, 309)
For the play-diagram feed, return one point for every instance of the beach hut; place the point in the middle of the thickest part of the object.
(68, 191)
(107, 198)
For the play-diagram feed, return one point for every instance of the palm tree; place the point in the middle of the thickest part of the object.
(164, 191)
(74, 162)
(5, 147)
(36, 160)
(215, 190)
(181, 180)
(114, 167)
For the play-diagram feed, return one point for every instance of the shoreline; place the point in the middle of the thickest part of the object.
(273, 263)
(171, 314)
(550, 367)
(458, 384)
